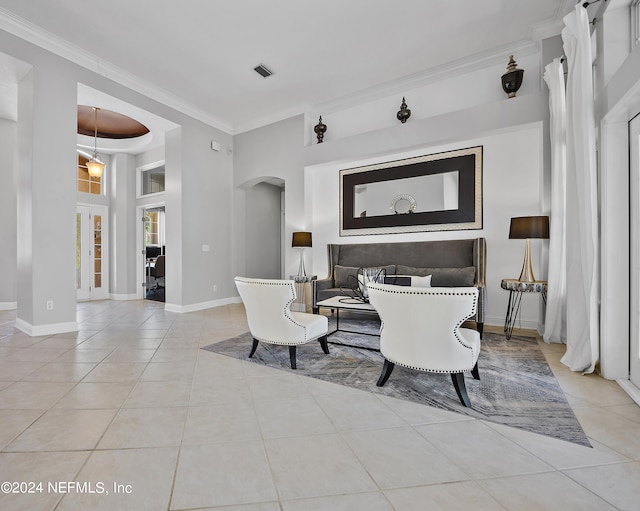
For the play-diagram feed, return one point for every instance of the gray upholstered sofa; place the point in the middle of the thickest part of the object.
(452, 263)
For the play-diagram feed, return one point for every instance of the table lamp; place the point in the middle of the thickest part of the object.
(301, 240)
(527, 227)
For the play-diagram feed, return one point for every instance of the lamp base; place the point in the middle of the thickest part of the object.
(526, 275)
(301, 271)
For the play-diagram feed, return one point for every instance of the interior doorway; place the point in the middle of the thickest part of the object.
(153, 251)
(92, 249)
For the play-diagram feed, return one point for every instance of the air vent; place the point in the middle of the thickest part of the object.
(262, 71)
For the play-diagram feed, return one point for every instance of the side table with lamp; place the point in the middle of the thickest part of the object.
(527, 228)
(301, 240)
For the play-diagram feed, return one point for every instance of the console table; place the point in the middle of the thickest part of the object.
(516, 288)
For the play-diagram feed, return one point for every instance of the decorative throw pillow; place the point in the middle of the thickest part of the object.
(341, 275)
(417, 281)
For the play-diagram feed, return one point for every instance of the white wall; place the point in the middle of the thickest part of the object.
(512, 166)
(268, 152)
(8, 214)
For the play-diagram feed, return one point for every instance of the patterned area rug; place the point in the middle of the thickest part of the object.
(517, 387)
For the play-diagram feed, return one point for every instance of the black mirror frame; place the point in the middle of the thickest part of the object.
(468, 162)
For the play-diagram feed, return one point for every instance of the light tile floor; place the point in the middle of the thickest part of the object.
(129, 414)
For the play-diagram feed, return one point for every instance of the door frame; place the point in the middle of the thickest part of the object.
(141, 274)
(88, 257)
(634, 253)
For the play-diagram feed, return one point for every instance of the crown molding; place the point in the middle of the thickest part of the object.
(33, 34)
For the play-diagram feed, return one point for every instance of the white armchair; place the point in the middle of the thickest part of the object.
(271, 320)
(421, 329)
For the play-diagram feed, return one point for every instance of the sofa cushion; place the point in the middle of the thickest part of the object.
(443, 277)
(341, 274)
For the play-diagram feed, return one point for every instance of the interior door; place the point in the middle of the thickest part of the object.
(91, 252)
(634, 238)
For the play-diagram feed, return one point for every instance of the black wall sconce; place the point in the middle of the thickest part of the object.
(319, 130)
(512, 79)
(404, 113)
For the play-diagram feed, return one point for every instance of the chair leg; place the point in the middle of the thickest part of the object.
(292, 356)
(461, 388)
(387, 369)
(475, 373)
(323, 343)
(480, 328)
(254, 347)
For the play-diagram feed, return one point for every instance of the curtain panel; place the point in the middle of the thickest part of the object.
(555, 324)
(583, 339)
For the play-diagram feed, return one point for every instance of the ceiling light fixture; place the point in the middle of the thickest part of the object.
(94, 166)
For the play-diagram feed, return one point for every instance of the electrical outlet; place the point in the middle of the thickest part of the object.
(215, 287)
(49, 305)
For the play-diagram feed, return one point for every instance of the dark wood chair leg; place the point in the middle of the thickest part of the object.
(480, 328)
(475, 373)
(292, 356)
(323, 343)
(253, 348)
(387, 369)
(461, 388)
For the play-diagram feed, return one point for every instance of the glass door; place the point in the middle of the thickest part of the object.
(92, 281)
(634, 238)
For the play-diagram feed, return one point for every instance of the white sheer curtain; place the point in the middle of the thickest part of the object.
(555, 324)
(582, 222)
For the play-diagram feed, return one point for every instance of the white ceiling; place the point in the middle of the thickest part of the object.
(199, 55)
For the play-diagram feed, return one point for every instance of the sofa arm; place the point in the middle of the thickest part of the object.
(319, 285)
(482, 305)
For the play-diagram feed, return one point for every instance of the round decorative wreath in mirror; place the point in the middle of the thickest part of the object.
(403, 204)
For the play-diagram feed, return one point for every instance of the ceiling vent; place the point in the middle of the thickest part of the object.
(262, 70)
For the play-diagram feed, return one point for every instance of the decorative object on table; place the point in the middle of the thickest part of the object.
(403, 204)
(526, 228)
(512, 79)
(320, 130)
(358, 283)
(301, 240)
(404, 113)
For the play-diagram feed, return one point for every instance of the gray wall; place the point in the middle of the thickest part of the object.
(263, 231)
(8, 214)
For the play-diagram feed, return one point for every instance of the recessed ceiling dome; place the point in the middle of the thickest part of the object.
(110, 124)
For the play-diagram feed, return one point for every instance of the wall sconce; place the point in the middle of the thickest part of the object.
(404, 113)
(512, 79)
(527, 227)
(301, 240)
(320, 129)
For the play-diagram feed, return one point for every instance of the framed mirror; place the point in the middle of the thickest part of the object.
(436, 192)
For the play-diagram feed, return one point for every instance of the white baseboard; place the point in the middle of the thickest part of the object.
(8, 306)
(181, 309)
(131, 296)
(50, 329)
(631, 389)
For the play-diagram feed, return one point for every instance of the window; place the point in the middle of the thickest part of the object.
(151, 179)
(86, 183)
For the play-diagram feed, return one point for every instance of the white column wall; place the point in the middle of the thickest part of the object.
(47, 123)
(8, 214)
(123, 227)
